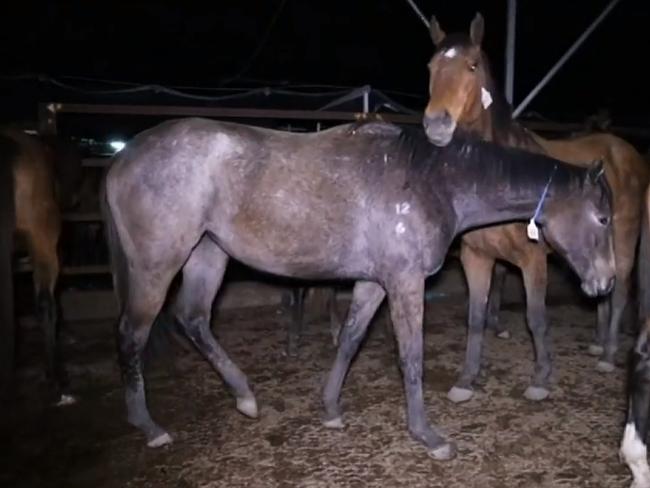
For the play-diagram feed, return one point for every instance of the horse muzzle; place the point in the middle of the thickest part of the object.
(439, 127)
(598, 286)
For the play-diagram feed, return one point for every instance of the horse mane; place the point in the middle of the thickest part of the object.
(488, 159)
(505, 128)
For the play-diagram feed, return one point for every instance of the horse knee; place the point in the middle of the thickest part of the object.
(194, 324)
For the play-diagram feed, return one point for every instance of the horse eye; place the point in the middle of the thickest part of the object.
(473, 66)
(603, 220)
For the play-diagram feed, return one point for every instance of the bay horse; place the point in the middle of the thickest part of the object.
(633, 449)
(373, 204)
(463, 97)
(38, 177)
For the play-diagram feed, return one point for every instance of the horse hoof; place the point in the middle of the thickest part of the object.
(445, 452)
(604, 367)
(160, 441)
(247, 406)
(504, 334)
(536, 393)
(66, 400)
(459, 395)
(595, 350)
(335, 423)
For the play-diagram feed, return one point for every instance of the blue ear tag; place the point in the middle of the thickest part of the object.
(532, 230)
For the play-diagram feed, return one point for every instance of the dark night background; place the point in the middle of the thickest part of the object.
(355, 42)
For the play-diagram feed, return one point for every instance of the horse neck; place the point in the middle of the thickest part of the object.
(506, 190)
(508, 132)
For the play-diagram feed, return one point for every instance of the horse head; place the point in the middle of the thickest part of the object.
(460, 83)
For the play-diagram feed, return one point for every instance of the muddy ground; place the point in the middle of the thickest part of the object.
(504, 440)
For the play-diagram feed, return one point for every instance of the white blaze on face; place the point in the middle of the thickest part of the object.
(450, 53)
(486, 98)
(634, 453)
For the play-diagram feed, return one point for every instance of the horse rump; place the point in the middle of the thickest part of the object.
(165, 331)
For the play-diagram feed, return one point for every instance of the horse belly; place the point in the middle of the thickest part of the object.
(507, 242)
(304, 240)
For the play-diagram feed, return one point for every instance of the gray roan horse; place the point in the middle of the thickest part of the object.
(370, 202)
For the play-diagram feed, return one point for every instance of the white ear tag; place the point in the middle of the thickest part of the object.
(486, 98)
(532, 231)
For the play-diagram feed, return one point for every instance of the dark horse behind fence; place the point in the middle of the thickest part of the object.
(39, 176)
(370, 203)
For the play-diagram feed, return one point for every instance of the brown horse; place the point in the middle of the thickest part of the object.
(463, 97)
(37, 178)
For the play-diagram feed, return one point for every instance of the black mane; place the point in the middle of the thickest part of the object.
(490, 160)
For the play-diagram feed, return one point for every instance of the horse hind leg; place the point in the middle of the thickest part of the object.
(45, 276)
(633, 447)
(147, 291)
(294, 331)
(366, 298)
(202, 277)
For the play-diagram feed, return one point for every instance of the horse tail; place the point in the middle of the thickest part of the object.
(9, 151)
(118, 261)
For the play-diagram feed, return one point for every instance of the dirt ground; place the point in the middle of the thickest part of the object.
(504, 440)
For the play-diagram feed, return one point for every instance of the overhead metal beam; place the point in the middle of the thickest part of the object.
(564, 58)
(510, 50)
(419, 13)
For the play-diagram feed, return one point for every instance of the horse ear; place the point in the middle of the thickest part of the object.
(476, 29)
(596, 171)
(437, 34)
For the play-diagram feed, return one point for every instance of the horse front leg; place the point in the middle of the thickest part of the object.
(406, 301)
(478, 272)
(609, 323)
(618, 301)
(494, 302)
(535, 282)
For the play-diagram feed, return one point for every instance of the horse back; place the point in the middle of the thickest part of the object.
(626, 171)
